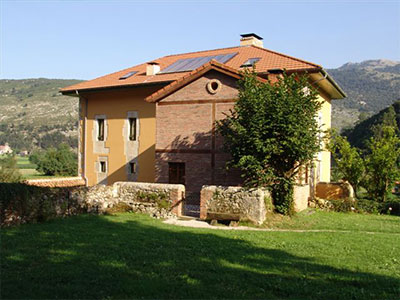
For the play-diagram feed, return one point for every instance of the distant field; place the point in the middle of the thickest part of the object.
(28, 170)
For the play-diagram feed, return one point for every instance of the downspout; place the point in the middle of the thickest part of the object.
(84, 138)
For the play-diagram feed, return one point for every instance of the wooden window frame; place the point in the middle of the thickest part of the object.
(100, 129)
(132, 128)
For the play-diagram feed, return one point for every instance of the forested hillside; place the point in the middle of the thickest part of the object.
(370, 86)
(363, 131)
(34, 114)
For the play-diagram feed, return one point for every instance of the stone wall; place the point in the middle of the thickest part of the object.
(301, 195)
(234, 203)
(334, 190)
(158, 200)
(22, 203)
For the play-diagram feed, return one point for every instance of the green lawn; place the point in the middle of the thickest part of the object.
(134, 256)
(28, 170)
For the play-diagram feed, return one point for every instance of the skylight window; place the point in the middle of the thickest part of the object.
(127, 75)
(189, 64)
(250, 62)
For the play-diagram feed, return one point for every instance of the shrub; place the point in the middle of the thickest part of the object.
(391, 207)
(367, 206)
(9, 171)
(61, 161)
(343, 205)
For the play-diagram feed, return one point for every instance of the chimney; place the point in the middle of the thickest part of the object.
(249, 39)
(152, 68)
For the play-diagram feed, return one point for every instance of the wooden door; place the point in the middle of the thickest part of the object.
(176, 173)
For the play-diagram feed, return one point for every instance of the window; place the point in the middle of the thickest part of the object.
(100, 129)
(176, 173)
(127, 75)
(132, 129)
(250, 62)
(103, 168)
(132, 168)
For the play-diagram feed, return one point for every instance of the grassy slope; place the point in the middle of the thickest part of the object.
(133, 256)
(37, 101)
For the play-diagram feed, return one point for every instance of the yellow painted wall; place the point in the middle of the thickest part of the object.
(115, 105)
(325, 156)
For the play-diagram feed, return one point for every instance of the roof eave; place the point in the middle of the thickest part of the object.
(73, 92)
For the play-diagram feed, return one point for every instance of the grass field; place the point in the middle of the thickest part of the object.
(28, 170)
(134, 256)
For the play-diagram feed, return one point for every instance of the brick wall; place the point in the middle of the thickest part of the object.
(185, 133)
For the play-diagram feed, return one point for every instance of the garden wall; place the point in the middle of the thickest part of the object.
(334, 190)
(301, 195)
(234, 203)
(21, 203)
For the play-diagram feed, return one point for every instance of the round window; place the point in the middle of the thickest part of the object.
(213, 86)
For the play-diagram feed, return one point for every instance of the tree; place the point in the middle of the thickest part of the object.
(60, 161)
(348, 160)
(272, 132)
(382, 162)
(9, 171)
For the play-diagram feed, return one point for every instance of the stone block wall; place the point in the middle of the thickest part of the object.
(334, 190)
(234, 203)
(168, 196)
(21, 203)
(301, 195)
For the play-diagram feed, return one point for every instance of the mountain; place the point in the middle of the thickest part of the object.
(34, 114)
(370, 86)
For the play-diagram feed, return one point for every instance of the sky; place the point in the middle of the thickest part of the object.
(88, 39)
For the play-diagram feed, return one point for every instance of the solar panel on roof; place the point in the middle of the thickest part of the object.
(189, 64)
(127, 75)
(250, 62)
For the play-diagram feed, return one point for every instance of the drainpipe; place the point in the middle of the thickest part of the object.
(84, 138)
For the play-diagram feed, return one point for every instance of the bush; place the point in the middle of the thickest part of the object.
(368, 206)
(391, 207)
(9, 171)
(343, 205)
(61, 161)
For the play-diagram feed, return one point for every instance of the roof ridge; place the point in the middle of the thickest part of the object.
(288, 56)
(225, 48)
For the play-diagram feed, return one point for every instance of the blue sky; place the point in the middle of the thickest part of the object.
(87, 39)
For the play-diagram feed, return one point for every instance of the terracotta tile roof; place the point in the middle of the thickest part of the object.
(269, 60)
(188, 77)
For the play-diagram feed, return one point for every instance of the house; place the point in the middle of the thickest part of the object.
(5, 149)
(154, 122)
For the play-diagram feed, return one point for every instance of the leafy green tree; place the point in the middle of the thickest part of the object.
(9, 171)
(61, 161)
(382, 162)
(272, 132)
(348, 160)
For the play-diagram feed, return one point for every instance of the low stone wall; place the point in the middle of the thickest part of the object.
(169, 196)
(158, 200)
(234, 203)
(22, 203)
(334, 190)
(301, 195)
(56, 182)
